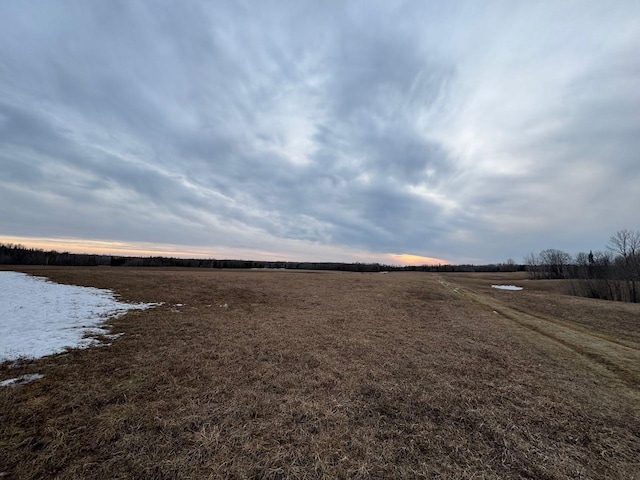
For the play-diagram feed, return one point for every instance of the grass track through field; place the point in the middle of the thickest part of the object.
(617, 356)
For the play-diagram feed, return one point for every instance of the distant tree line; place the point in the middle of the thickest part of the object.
(613, 274)
(11, 254)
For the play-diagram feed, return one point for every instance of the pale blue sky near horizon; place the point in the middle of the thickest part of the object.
(334, 131)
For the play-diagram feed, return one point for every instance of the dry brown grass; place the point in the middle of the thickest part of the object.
(322, 375)
(549, 298)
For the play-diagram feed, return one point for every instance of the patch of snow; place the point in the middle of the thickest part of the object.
(506, 287)
(39, 317)
(21, 380)
(113, 336)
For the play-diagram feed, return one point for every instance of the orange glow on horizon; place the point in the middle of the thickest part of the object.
(409, 259)
(148, 249)
(101, 247)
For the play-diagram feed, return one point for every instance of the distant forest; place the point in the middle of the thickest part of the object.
(613, 274)
(11, 254)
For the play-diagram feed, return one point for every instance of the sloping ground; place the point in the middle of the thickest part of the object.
(550, 298)
(620, 356)
(315, 375)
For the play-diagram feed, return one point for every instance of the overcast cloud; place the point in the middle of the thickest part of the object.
(463, 131)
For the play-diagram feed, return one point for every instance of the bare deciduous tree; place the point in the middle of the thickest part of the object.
(611, 275)
(532, 262)
(555, 262)
(626, 243)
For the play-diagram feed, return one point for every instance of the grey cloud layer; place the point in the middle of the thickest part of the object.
(453, 132)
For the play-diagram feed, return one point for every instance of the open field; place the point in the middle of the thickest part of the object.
(333, 375)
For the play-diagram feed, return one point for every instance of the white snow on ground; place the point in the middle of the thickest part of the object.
(506, 287)
(21, 380)
(39, 317)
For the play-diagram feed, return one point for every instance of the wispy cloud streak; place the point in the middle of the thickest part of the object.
(465, 132)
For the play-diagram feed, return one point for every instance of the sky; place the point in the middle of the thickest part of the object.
(394, 132)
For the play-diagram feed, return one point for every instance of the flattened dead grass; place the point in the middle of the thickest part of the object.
(314, 375)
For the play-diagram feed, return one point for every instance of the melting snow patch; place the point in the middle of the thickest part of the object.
(21, 380)
(506, 287)
(39, 317)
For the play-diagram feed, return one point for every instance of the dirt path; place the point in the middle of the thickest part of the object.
(616, 356)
